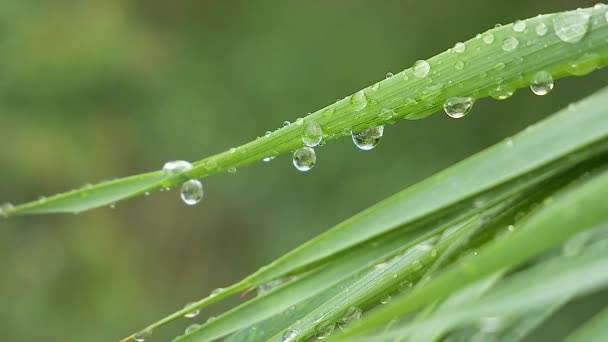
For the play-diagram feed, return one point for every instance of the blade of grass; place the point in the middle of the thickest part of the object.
(489, 66)
(595, 329)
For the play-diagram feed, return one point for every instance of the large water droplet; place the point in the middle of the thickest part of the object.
(510, 44)
(421, 68)
(191, 328)
(458, 107)
(488, 38)
(502, 92)
(191, 314)
(459, 47)
(519, 26)
(541, 29)
(176, 167)
(192, 192)
(358, 100)
(304, 158)
(369, 138)
(351, 315)
(324, 329)
(290, 336)
(572, 26)
(312, 134)
(142, 335)
(542, 83)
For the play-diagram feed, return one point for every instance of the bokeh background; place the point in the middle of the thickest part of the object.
(99, 89)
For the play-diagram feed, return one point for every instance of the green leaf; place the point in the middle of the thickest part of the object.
(594, 330)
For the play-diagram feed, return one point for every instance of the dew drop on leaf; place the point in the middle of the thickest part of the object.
(571, 27)
(488, 38)
(389, 75)
(142, 335)
(519, 26)
(386, 114)
(541, 29)
(369, 138)
(191, 314)
(358, 100)
(510, 44)
(351, 315)
(386, 300)
(458, 107)
(176, 167)
(190, 329)
(502, 92)
(191, 192)
(421, 68)
(459, 65)
(459, 47)
(542, 83)
(290, 336)
(5, 208)
(324, 329)
(304, 158)
(313, 134)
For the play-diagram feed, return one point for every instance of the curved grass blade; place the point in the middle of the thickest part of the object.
(494, 67)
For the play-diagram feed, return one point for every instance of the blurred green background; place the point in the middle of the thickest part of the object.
(99, 89)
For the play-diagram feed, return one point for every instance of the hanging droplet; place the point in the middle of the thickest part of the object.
(386, 300)
(386, 114)
(191, 328)
(502, 92)
(313, 134)
(571, 27)
(542, 83)
(351, 315)
(421, 68)
(458, 107)
(324, 329)
(519, 26)
(487, 38)
(290, 336)
(459, 65)
(541, 29)
(304, 158)
(176, 167)
(459, 47)
(369, 138)
(358, 100)
(510, 44)
(389, 75)
(192, 192)
(191, 314)
(142, 335)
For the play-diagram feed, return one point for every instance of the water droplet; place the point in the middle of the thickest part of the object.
(542, 83)
(5, 208)
(386, 300)
(488, 38)
(459, 65)
(176, 167)
(210, 319)
(502, 92)
(510, 228)
(541, 29)
(358, 100)
(584, 64)
(389, 74)
(267, 159)
(142, 335)
(232, 150)
(369, 138)
(351, 315)
(499, 66)
(424, 247)
(324, 329)
(416, 265)
(458, 107)
(304, 158)
(519, 26)
(191, 314)
(190, 329)
(299, 121)
(421, 68)
(216, 292)
(510, 44)
(572, 26)
(269, 286)
(459, 47)
(313, 134)
(268, 133)
(290, 336)
(286, 123)
(599, 6)
(192, 192)
(386, 114)
(498, 25)
(232, 170)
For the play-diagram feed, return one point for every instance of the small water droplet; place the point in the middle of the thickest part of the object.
(386, 114)
(313, 134)
(351, 315)
(541, 29)
(232, 150)
(216, 292)
(191, 314)
(389, 75)
(232, 170)
(290, 336)
(458, 107)
(269, 286)
(459, 47)
(386, 300)
(510, 44)
(421, 68)
(5, 208)
(176, 167)
(299, 121)
(499, 66)
(519, 26)
(502, 92)
(147, 193)
(324, 329)
(542, 83)
(286, 123)
(268, 159)
(416, 265)
(571, 27)
(459, 65)
(498, 25)
(509, 142)
(358, 100)
(190, 329)
(511, 228)
(304, 158)
(268, 133)
(192, 192)
(369, 138)
(210, 319)
(488, 38)
(142, 335)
